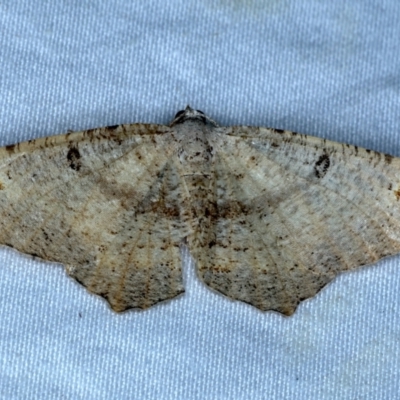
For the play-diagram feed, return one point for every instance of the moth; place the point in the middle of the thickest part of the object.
(270, 216)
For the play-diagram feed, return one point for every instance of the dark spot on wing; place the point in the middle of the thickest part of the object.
(74, 159)
(112, 127)
(388, 158)
(321, 166)
(10, 148)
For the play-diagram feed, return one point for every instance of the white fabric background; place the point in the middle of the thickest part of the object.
(325, 68)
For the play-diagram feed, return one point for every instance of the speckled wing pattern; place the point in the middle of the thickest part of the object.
(291, 212)
(106, 203)
(270, 216)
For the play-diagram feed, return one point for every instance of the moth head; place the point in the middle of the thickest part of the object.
(189, 114)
